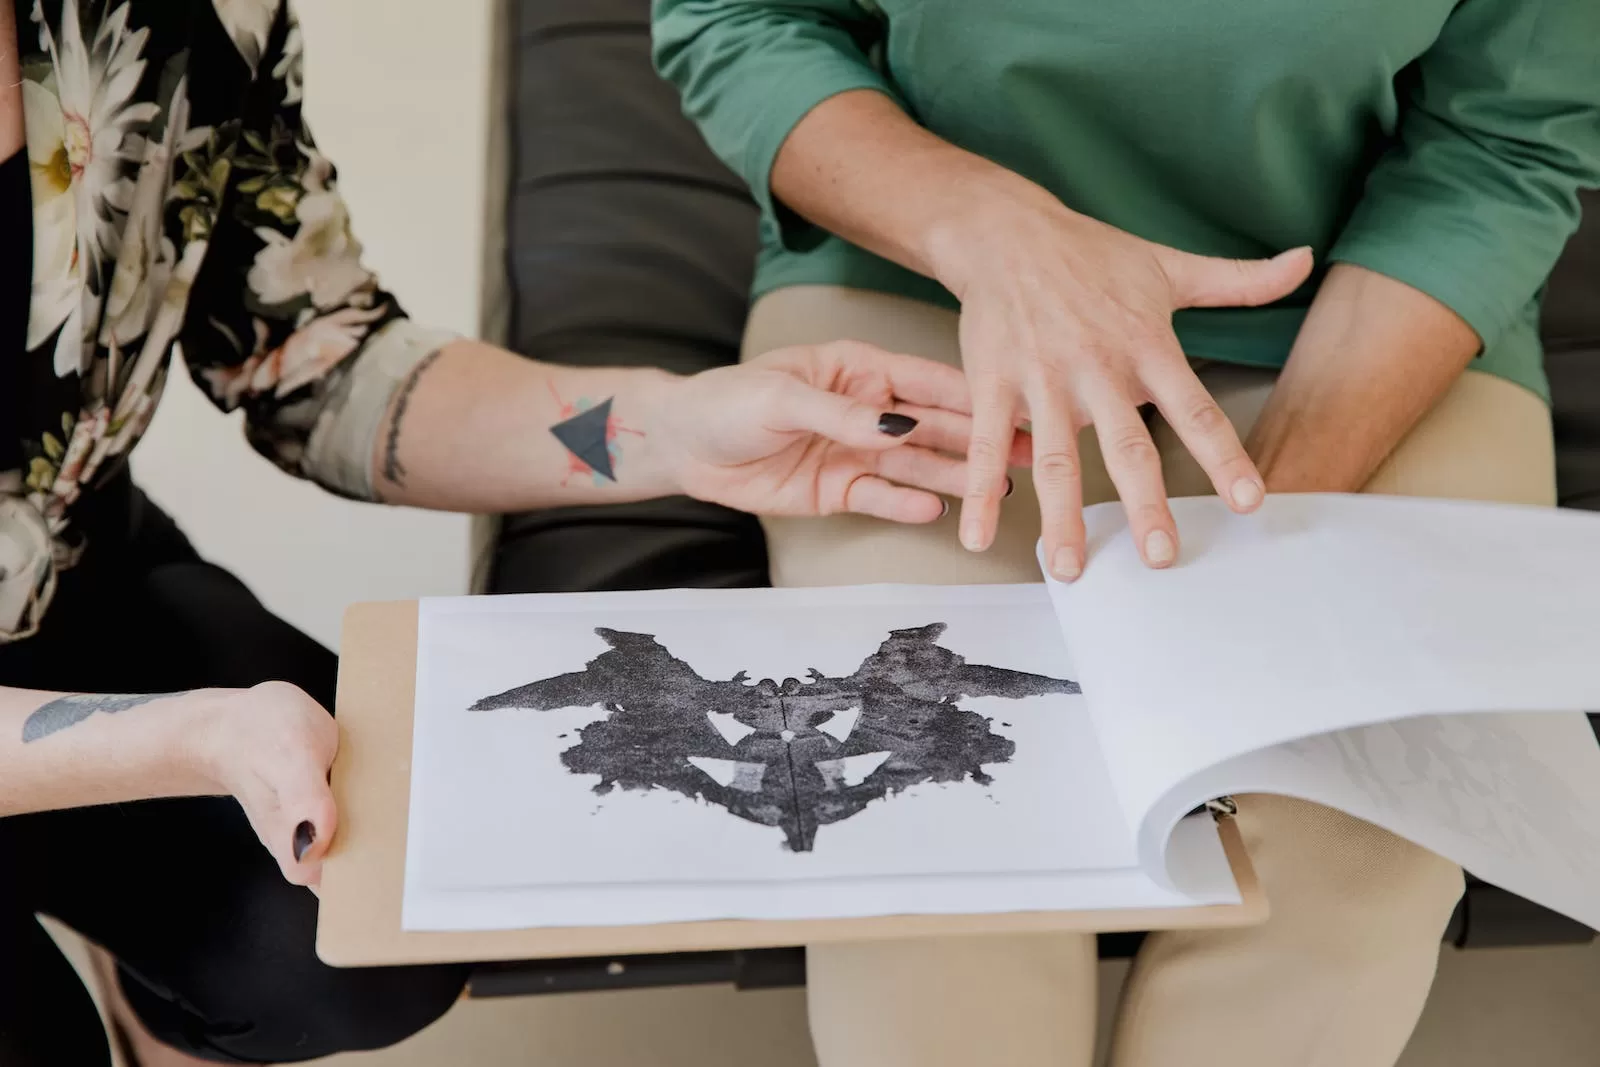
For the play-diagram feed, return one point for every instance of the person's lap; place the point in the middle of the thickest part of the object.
(216, 949)
(1341, 971)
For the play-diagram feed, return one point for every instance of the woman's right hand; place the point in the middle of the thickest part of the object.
(271, 747)
(1067, 321)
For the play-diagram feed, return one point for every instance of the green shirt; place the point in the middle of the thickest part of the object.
(1440, 142)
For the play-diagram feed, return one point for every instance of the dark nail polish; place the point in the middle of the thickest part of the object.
(895, 424)
(304, 835)
(1011, 486)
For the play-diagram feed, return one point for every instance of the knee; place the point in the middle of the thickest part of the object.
(320, 1012)
(357, 1011)
(1325, 863)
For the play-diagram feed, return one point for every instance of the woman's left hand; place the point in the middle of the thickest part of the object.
(822, 429)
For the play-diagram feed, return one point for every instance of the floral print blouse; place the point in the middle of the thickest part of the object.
(179, 201)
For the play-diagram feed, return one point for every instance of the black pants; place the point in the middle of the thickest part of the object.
(215, 948)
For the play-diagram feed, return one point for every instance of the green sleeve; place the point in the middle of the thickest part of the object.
(1499, 129)
(749, 70)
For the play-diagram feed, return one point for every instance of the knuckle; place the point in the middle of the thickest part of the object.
(1055, 469)
(990, 385)
(1207, 418)
(1134, 447)
(985, 457)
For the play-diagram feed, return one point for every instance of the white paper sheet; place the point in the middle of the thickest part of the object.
(1329, 613)
(1209, 881)
(1515, 799)
(504, 807)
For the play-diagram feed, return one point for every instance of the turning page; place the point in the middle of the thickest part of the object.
(1378, 654)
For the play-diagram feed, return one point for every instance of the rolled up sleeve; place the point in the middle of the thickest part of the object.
(749, 70)
(1499, 130)
(285, 321)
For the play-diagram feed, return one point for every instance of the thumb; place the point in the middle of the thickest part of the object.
(803, 408)
(309, 821)
(1208, 281)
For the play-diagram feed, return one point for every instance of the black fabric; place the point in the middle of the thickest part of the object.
(16, 282)
(216, 948)
(1571, 326)
(628, 243)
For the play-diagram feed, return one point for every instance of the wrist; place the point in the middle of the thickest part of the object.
(205, 743)
(986, 211)
(656, 399)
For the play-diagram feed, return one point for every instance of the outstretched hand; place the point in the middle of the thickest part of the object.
(823, 429)
(1067, 322)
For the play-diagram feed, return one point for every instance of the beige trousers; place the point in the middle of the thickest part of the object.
(1336, 977)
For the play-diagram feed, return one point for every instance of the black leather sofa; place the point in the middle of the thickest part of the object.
(626, 242)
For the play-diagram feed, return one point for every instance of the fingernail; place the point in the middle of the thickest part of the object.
(1065, 564)
(895, 424)
(1159, 549)
(944, 508)
(972, 537)
(1246, 493)
(304, 835)
(1011, 486)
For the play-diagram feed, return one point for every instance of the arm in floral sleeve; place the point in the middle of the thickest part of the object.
(284, 320)
(338, 386)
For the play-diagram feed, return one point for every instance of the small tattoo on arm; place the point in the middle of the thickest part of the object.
(393, 470)
(63, 712)
(589, 431)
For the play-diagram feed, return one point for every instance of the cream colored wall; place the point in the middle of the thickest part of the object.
(398, 95)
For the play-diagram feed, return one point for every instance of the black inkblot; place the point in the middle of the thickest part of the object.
(782, 751)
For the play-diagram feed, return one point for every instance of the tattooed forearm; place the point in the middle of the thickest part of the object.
(393, 470)
(67, 711)
(589, 431)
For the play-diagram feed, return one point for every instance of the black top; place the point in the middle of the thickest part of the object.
(16, 283)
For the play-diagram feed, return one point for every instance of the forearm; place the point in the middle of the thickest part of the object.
(476, 428)
(1373, 357)
(860, 167)
(62, 750)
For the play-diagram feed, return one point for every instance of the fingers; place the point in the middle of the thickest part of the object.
(950, 432)
(1057, 477)
(871, 495)
(1135, 468)
(1205, 431)
(795, 407)
(922, 468)
(1206, 281)
(913, 379)
(993, 430)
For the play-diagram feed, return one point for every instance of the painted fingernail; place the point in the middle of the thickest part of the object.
(1011, 486)
(1159, 549)
(304, 835)
(895, 424)
(1246, 493)
(1066, 564)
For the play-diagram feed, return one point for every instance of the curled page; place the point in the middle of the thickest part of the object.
(1377, 654)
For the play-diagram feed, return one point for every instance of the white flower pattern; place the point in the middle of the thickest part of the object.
(249, 23)
(136, 207)
(87, 136)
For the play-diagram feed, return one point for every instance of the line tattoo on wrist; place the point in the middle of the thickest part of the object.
(590, 432)
(393, 470)
(66, 711)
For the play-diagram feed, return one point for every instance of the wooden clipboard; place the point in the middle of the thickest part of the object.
(363, 877)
